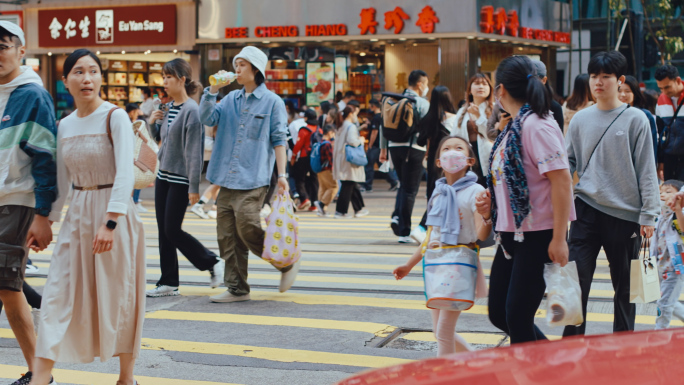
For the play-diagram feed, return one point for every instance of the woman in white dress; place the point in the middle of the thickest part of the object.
(94, 298)
(471, 122)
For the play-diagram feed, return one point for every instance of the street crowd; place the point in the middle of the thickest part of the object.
(543, 180)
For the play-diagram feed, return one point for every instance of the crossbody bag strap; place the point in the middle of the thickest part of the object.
(667, 128)
(109, 128)
(601, 138)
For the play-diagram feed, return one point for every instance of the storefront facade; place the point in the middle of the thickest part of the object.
(132, 39)
(319, 48)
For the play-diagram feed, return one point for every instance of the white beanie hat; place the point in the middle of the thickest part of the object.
(255, 56)
(14, 30)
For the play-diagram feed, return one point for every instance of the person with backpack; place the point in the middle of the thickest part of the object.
(180, 171)
(94, 297)
(670, 123)
(305, 178)
(373, 153)
(407, 155)
(322, 164)
(617, 200)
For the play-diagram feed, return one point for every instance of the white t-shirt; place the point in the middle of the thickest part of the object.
(466, 211)
(341, 105)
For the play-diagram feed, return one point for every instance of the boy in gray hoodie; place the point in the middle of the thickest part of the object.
(617, 197)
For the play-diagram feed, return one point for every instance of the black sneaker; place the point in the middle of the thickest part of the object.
(26, 379)
(395, 225)
(395, 187)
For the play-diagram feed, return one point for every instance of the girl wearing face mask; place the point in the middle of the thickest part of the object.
(529, 200)
(453, 220)
(471, 122)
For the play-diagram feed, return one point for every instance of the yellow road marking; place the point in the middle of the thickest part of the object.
(88, 378)
(273, 354)
(471, 338)
(270, 354)
(354, 326)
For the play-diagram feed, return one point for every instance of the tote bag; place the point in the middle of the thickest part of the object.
(644, 285)
(450, 276)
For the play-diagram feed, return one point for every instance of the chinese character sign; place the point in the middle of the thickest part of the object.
(395, 19)
(505, 23)
(427, 19)
(135, 25)
(368, 22)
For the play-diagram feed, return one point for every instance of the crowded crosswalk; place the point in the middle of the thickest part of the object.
(345, 313)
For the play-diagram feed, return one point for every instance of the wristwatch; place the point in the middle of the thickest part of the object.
(111, 225)
(286, 175)
(43, 212)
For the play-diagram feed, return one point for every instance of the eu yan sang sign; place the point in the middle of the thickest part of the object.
(119, 26)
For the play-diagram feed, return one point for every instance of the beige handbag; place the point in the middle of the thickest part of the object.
(144, 153)
(644, 285)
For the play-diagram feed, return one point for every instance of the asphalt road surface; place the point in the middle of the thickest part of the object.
(344, 314)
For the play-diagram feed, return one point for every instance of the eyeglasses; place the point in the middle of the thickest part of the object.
(4, 48)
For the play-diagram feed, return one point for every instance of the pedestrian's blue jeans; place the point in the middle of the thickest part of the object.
(136, 196)
(668, 304)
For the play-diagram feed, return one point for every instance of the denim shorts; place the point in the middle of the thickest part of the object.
(15, 222)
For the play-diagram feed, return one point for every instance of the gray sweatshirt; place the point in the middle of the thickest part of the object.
(621, 178)
(182, 146)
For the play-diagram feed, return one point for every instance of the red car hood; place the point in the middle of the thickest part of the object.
(641, 358)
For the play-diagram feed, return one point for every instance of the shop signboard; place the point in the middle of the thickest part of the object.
(314, 18)
(320, 81)
(118, 26)
(529, 19)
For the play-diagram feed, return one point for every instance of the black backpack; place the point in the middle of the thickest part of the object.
(400, 117)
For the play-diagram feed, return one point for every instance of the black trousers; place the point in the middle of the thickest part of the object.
(673, 167)
(305, 179)
(170, 202)
(621, 241)
(408, 162)
(349, 191)
(516, 285)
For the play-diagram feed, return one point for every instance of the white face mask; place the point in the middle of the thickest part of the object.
(425, 91)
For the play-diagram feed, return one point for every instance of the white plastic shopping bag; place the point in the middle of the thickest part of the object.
(564, 295)
(281, 242)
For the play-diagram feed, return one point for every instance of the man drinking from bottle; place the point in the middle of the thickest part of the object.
(250, 138)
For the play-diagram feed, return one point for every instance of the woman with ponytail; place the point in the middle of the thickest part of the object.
(350, 175)
(181, 159)
(529, 200)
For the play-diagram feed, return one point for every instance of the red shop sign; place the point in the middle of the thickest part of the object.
(119, 26)
(501, 22)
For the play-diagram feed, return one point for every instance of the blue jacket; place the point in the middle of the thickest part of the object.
(249, 128)
(28, 138)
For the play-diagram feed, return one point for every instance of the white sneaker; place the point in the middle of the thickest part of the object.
(361, 213)
(406, 240)
(266, 211)
(418, 234)
(199, 211)
(227, 297)
(212, 214)
(287, 279)
(141, 208)
(217, 274)
(163, 291)
(341, 216)
(32, 270)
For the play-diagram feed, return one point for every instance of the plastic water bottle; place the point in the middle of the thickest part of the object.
(156, 102)
(221, 77)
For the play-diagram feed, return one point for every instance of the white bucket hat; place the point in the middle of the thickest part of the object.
(13, 29)
(255, 56)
